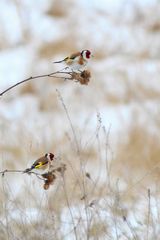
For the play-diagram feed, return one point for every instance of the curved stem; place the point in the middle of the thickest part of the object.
(35, 77)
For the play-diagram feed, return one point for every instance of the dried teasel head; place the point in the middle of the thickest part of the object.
(82, 77)
(49, 179)
(51, 176)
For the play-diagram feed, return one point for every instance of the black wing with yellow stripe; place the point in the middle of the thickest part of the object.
(39, 164)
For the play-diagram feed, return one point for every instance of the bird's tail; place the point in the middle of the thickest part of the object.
(64, 60)
(28, 170)
(58, 61)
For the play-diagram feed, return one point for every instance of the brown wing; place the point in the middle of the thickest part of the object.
(69, 58)
(74, 55)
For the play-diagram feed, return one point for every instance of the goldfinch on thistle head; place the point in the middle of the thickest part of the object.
(42, 163)
(77, 61)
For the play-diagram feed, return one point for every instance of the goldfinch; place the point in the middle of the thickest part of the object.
(42, 163)
(76, 61)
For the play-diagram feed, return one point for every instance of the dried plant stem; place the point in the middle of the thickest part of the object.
(149, 213)
(135, 237)
(141, 179)
(82, 166)
(107, 148)
(11, 171)
(69, 119)
(5, 211)
(38, 76)
(17, 171)
(69, 208)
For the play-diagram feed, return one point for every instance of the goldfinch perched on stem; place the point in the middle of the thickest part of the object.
(42, 163)
(76, 61)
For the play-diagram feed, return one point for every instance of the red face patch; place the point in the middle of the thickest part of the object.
(51, 156)
(88, 53)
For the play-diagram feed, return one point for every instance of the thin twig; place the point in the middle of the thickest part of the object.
(35, 77)
(107, 149)
(18, 171)
(10, 171)
(69, 208)
(81, 162)
(134, 235)
(5, 204)
(140, 180)
(149, 213)
(69, 119)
